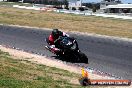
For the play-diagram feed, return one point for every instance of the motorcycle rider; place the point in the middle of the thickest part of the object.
(55, 34)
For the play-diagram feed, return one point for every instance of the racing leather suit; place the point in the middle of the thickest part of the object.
(52, 39)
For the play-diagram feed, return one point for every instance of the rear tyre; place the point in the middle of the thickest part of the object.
(83, 58)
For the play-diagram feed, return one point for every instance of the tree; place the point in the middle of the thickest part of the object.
(94, 8)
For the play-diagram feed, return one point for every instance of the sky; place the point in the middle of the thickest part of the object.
(123, 1)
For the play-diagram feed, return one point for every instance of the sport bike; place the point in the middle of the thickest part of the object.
(67, 47)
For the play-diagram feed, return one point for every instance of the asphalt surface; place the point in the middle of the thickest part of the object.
(108, 55)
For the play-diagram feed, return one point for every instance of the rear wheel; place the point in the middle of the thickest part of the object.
(83, 58)
(71, 56)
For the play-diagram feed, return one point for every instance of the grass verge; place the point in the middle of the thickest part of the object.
(70, 22)
(25, 74)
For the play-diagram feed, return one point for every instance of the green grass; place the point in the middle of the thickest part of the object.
(16, 73)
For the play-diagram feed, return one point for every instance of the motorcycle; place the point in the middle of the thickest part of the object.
(67, 47)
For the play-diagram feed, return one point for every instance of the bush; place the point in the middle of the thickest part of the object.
(81, 9)
(66, 8)
(73, 8)
(94, 9)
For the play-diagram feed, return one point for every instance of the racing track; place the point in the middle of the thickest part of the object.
(107, 55)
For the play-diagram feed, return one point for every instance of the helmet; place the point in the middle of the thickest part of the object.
(55, 32)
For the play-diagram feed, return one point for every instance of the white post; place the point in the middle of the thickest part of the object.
(22, 1)
(81, 3)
